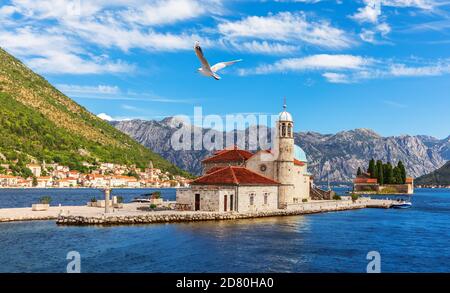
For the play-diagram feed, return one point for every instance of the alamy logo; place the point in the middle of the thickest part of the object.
(374, 265)
(74, 265)
(212, 132)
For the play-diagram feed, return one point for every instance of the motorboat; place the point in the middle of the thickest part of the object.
(401, 205)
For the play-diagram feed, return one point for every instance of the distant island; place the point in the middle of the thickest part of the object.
(438, 178)
(383, 178)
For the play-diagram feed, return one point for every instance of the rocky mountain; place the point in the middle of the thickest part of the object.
(334, 157)
(38, 122)
(439, 177)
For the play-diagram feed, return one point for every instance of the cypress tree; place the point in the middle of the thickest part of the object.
(359, 172)
(388, 173)
(371, 170)
(397, 175)
(380, 176)
(402, 172)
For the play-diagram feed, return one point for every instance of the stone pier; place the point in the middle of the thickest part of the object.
(139, 214)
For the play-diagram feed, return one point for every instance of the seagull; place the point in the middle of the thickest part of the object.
(207, 70)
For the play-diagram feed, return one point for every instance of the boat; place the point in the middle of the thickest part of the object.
(401, 205)
(141, 200)
(145, 198)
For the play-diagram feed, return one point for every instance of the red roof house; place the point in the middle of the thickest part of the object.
(233, 175)
(227, 156)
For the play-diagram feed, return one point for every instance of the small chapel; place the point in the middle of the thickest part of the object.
(236, 180)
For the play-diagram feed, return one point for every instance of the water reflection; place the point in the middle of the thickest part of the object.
(410, 240)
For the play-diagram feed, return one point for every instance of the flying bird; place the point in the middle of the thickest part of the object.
(208, 70)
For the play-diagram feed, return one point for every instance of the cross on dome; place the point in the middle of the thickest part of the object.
(285, 115)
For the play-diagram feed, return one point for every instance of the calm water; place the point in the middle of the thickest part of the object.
(414, 240)
(19, 198)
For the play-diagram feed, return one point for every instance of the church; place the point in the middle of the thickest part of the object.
(236, 180)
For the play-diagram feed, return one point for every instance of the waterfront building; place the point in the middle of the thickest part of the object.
(44, 181)
(66, 182)
(365, 184)
(8, 180)
(242, 181)
(35, 169)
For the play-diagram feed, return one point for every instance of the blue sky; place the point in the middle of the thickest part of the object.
(380, 64)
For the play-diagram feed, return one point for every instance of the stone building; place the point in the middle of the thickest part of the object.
(241, 181)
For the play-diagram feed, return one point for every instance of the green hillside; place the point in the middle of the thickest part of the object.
(38, 122)
(439, 177)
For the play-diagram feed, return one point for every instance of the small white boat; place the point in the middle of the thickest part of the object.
(401, 205)
(141, 200)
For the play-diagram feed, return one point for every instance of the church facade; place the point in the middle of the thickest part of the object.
(241, 181)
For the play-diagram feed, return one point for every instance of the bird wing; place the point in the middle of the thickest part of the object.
(222, 65)
(199, 53)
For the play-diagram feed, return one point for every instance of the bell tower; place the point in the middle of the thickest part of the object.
(285, 160)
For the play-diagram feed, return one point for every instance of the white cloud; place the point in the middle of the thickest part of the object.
(421, 4)
(314, 62)
(369, 13)
(169, 11)
(334, 77)
(287, 27)
(71, 89)
(49, 53)
(261, 47)
(352, 69)
(105, 116)
(58, 36)
(372, 35)
(440, 68)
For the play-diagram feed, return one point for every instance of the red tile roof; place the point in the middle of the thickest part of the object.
(365, 180)
(225, 156)
(233, 175)
(298, 163)
(213, 169)
(409, 180)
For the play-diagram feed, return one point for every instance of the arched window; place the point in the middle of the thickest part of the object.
(290, 130)
(283, 130)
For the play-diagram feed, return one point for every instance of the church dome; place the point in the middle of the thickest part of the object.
(285, 116)
(300, 154)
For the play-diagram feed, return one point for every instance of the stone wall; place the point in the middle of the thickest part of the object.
(301, 184)
(175, 217)
(384, 189)
(262, 163)
(258, 192)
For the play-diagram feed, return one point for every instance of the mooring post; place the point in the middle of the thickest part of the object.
(107, 200)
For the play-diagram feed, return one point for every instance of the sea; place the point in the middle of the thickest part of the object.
(410, 240)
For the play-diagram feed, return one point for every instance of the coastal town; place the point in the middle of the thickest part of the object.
(106, 175)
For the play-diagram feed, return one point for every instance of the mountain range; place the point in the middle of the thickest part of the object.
(39, 123)
(439, 177)
(333, 157)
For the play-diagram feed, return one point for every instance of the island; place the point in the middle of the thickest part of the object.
(383, 178)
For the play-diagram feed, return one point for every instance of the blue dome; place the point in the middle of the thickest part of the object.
(299, 154)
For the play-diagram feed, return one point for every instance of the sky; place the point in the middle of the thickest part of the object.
(341, 65)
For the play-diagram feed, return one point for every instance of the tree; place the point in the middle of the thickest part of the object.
(372, 169)
(397, 178)
(35, 182)
(359, 172)
(388, 173)
(402, 172)
(379, 169)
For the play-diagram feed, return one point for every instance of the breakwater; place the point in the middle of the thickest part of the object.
(187, 216)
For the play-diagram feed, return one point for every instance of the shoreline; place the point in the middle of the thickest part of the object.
(85, 187)
(132, 214)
